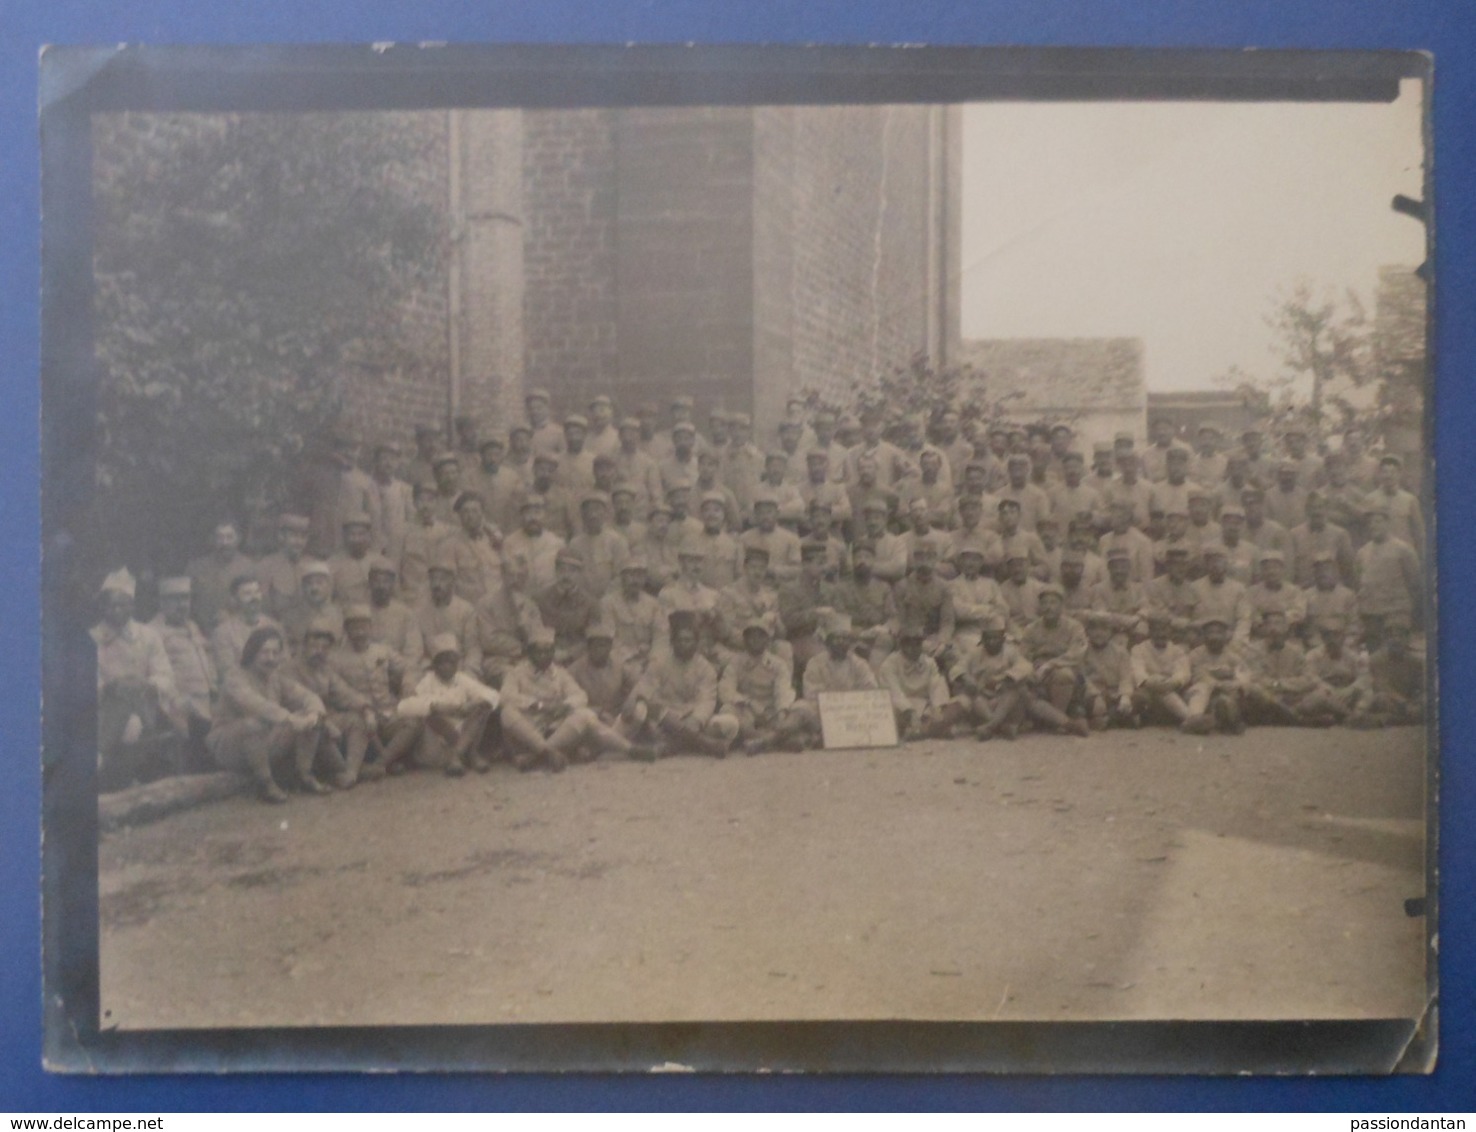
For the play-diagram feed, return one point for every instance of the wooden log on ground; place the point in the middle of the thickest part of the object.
(138, 805)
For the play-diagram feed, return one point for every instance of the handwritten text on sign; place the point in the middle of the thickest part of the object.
(857, 719)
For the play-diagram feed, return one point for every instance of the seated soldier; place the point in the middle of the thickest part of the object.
(605, 683)
(602, 549)
(1221, 595)
(349, 715)
(922, 598)
(975, 598)
(925, 708)
(1161, 673)
(1174, 591)
(1342, 672)
(837, 669)
(673, 703)
(991, 679)
(265, 717)
(567, 607)
(378, 673)
(1217, 682)
(455, 708)
(866, 600)
(193, 666)
(313, 602)
(1020, 591)
(140, 714)
(1120, 598)
(1397, 673)
(506, 618)
(243, 617)
(756, 694)
(1281, 689)
(546, 717)
(750, 597)
(1108, 674)
(1055, 645)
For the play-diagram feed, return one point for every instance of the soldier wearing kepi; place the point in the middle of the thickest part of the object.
(1055, 645)
(837, 669)
(278, 570)
(244, 618)
(924, 706)
(195, 677)
(348, 715)
(991, 680)
(757, 698)
(456, 709)
(1217, 682)
(1281, 689)
(546, 717)
(1108, 672)
(376, 672)
(1342, 673)
(673, 704)
(1161, 672)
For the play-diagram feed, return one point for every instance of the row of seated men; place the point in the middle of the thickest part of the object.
(565, 674)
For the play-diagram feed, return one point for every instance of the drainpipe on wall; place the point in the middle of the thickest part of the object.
(457, 234)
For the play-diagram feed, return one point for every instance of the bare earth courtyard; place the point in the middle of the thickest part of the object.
(1135, 875)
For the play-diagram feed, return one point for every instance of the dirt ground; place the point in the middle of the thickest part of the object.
(1134, 875)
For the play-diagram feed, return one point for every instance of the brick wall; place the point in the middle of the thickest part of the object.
(841, 235)
(569, 258)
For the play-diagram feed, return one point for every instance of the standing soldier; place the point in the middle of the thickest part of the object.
(278, 570)
(447, 468)
(923, 598)
(1120, 598)
(500, 487)
(547, 438)
(634, 467)
(211, 575)
(1327, 597)
(245, 617)
(1222, 596)
(1286, 501)
(603, 438)
(603, 551)
(1174, 591)
(349, 565)
(1030, 500)
(1207, 468)
(1021, 591)
(532, 547)
(1389, 582)
(1316, 538)
(314, 602)
(423, 542)
(1273, 594)
(783, 546)
(1406, 522)
(576, 465)
(391, 506)
(336, 487)
(441, 613)
(392, 622)
(427, 444)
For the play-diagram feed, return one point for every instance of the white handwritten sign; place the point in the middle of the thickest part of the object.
(857, 719)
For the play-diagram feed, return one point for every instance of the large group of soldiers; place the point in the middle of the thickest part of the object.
(642, 587)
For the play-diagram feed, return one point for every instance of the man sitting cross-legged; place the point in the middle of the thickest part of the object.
(1055, 645)
(673, 702)
(925, 708)
(1108, 672)
(1217, 682)
(374, 670)
(1282, 689)
(546, 715)
(456, 708)
(1160, 672)
(756, 691)
(991, 680)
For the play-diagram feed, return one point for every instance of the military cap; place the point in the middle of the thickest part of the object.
(628, 422)
(1118, 552)
(546, 458)
(683, 401)
(1018, 458)
(492, 440)
(647, 409)
(601, 399)
(444, 458)
(440, 561)
(1158, 615)
(578, 419)
(968, 499)
(875, 503)
(1198, 493)
(999, 428)
(820, 503)
(1101, 448)
(1214, 550)
(763, 496)
(441, 644)
(658, 508)
(634, 563)
(680, 485)
(839, 625)
(357, 519)
(814, 548)
(1209, 426)
(1392, 460)
(969, 547)
(690, 549)
(682, 619)
(1231, 512)
(707, 496)
(601, 630)
(542, 637)
(1090, 617)
(1251, 491)
(1213, 619)
(467, 497)
(1050, 589)
(1178, 550)
(1177, 453)
(816, 454)
(1324, 556)
(358, 611)
(1073, 556)
(567, 557)
(684, 426)
(532, 501)
(1270, 556)
(1285, 466)
(786, 423)
(917, 507)
(537, 393)
(321, 626)
(992, 623)
(379, 564)
(756, 625)
(847, 423)
(719, 415)
(310, 566)
(1016, 556)
(754, 551)
(1061, 427)
(594, 497)
(1003, 503)
(174, 587)
(1049, 521)
(863, 546)
(1073, 454)
(621, 488)
(1294, 429)
(290, 521)
(1332, 623)
(519, 426)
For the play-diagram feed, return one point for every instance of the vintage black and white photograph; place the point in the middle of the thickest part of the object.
(766, 562)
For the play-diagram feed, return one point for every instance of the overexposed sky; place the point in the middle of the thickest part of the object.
(1177, 222)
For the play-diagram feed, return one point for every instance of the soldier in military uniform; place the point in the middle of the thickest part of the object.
(673, 704)
(195, 678)
(1161, 673)
(455, 707)
(1055, 646)
(1217, 682)
(991, 679)
(378, 674)
(757, 697)
(1107, 671)
(349, 714)
(921, 699)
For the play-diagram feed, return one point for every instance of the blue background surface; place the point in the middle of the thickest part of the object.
(1445, 27)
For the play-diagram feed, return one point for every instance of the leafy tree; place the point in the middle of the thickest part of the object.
(247, 267)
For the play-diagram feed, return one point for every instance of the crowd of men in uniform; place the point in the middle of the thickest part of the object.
(642, 587)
